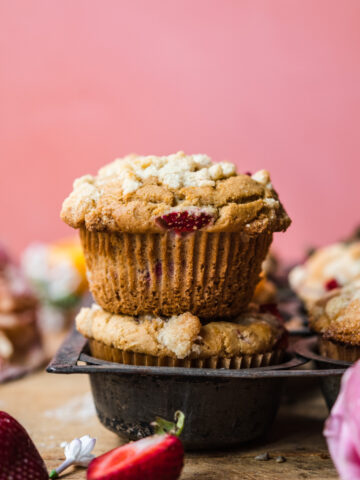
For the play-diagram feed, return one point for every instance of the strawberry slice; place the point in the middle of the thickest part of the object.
(184, 221)
(19, 458)
(159, 457)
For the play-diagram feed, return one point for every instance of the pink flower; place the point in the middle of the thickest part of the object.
(342, 428)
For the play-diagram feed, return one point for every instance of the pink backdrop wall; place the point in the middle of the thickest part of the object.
(268, 84)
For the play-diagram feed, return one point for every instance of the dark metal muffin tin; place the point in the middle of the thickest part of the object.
(222, 407)
(330, 384)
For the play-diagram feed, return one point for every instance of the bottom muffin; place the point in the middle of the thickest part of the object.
(252, 339)
(336, 318)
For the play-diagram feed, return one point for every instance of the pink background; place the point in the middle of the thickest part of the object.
(268, 84)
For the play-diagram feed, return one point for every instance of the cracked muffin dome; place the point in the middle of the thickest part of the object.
(147, 194)
(336, 318)
(253, 335)
(329, 267)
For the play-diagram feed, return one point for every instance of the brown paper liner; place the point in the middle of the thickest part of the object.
(112, 354)
(338, 351)
(208, 274)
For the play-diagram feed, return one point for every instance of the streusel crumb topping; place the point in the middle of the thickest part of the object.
(133, 193)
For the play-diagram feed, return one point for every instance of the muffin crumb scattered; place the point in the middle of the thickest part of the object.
(263, 457)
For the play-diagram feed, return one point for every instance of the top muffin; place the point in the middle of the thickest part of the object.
(149, 194)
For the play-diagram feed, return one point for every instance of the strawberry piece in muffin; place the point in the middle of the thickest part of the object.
(185, 221)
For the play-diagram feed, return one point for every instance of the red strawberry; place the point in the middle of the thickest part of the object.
(19, 458)
(184, 221)
(331, 284)
(159, 457)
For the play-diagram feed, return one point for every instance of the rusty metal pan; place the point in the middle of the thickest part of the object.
(222, 407)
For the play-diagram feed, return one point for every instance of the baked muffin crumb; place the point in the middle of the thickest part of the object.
(183, 336)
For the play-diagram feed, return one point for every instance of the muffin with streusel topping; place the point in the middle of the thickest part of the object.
(336, 318)
(326, 269)
(252, 339)
(166, 235)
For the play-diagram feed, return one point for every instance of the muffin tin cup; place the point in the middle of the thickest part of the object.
(330, 384)
(209, 274)
(111, 354)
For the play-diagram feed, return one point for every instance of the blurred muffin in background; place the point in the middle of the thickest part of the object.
(19, 333)
(336, 319)
(271, 265)
(57, 273)
(265, 291)
(327, 268)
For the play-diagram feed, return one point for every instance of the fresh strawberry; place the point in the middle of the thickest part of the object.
(184, 221)
(19, 458)
(331, 284)
(159, 457)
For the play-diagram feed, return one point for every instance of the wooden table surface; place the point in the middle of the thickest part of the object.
(57, 408)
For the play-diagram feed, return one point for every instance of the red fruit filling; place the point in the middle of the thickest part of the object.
(332, 284)
(249, 174)
(184, 221)
(273, 309)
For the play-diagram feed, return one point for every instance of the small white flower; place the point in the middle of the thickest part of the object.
(77, 452)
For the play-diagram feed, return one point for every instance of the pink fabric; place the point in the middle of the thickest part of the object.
(342, 428)
(267, 84)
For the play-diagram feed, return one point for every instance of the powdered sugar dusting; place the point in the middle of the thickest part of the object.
(78, 409)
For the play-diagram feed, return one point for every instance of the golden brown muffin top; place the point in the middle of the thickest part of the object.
(141, 194)
(183, 335)
(336, 264)
(336, 316)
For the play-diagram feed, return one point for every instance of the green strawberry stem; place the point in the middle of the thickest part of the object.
(53, 474)
(162, 426)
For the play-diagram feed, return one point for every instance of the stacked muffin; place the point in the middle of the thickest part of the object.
(174, 247)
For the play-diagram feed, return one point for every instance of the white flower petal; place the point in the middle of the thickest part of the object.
(84, 461)
(87, 444)
(73, 449)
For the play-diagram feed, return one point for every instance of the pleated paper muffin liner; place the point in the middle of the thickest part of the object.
(338, 351)
(208, 274)
(112, 354)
